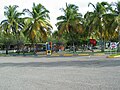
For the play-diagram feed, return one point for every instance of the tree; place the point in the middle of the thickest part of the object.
(58, 38)
(117, 20)
(97, 20)
(37, 25)
(12, 25)
(70, 22)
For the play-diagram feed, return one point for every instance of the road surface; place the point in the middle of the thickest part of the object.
(60, 73)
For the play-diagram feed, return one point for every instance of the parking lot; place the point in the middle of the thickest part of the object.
(59, 73)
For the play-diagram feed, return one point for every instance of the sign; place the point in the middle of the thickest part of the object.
(113, 45)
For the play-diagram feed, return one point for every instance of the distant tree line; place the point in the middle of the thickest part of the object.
(73, 28)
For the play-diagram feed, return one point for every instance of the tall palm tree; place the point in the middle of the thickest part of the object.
(117, 20)
(12, 24)
(37, 25)
(97, 22)
(70, 22)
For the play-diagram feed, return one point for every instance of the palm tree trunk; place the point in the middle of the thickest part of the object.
(34, 47)
(102, 46)
(23, 50)
(73, 47)
(18, 43)
(73, 44)
(118, 49)
(18, 48)
(7, 48)
(102, 42)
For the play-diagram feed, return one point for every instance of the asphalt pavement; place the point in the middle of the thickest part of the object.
(59, 73)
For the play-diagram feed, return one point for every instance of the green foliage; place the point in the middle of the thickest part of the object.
(12, 24)
(37, 25)
(101, 24)
(69, 24)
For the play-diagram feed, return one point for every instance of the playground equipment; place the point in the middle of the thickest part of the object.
(48, 48)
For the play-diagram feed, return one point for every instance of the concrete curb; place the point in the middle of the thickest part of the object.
(117, 56)
(67, 55)
(70, 55)
(99, 54)
(83, 54)
(55, 55)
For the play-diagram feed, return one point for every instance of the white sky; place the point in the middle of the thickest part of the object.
(52, 5)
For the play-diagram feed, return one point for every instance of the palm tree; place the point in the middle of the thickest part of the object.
(117, 20)
(37, 26)
(12, 24)
(70, 22)
(97, 21)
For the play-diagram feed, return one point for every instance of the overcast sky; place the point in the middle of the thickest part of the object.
(52, 5)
